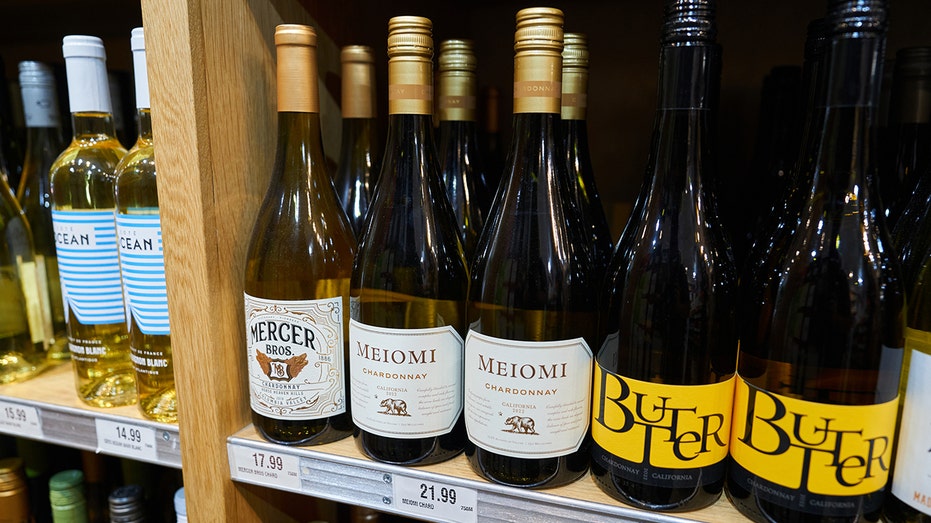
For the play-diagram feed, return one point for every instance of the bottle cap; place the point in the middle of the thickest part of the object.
(40, 100)
(358, 81)
(539, 29)
(11, 474)
(689, 22)
(410, 65)
(574, 100)
(456, 81)
(85, 65)
(456, 55)
(126, 504)
(856, 16)
(140, 75)
(65, 489)
(180, 506)
(410, 36)
(296, 46)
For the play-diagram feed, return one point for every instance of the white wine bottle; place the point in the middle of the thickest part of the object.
(142, 258)
(83, 217)
(43, 145)
(298, 266)
(359, 149)
(409, 280)
(574, 111)
(22, 333)
(532, 316)
(816, 396)
(461, 164)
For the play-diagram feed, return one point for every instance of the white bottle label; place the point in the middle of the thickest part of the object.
(295, 350)
(527, 399)
(405, 383)
(89, 266)
(911, 478)
(142, 263)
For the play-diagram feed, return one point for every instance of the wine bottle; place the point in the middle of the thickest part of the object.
(528, 362)
(11, 140)
(574, 109)
(668, 333)
(910, 132)
(359, 150)
(83, 218)
(778, 226)
(491, 148)
(909, 500)
(22, 334)
(142, 259)
(816, 396)
(43, 144)
(298, 267)
(409, 280)
(461, 164)
(66, 496)
(14, 496)
(127, 504)
(911, 233)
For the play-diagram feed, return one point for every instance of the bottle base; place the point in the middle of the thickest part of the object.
(406, 452)
(113, 389)
(296, 433)
(656, 499)
(14, 366)
(160, 406)
(531, 474)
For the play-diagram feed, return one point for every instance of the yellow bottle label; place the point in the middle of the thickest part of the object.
(818, 448)
(28, 279)
(666, 426)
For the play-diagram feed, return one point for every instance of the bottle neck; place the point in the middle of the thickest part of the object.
(92, 126)
(410, 87)
(358, 140)
(144, 124)
(300, 150)
(689, 77)
(537, 85)
(39, 140)
(574, 103)
(358, 99)
(457, 100)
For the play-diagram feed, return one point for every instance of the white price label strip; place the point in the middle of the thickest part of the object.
(271, 469)
(20, 420)
(435, 501)
(126, 439)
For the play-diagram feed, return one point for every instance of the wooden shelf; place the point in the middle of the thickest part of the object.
(47, 408)
(338, 471)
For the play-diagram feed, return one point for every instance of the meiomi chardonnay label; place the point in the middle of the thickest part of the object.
(405, 383)
(911, 482)
(810, 456)
(527, 399)
(661, 434)
(142, 262)
(89, 266)
(295, 352)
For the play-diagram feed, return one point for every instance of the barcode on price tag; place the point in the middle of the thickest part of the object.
(126, 439)
(20, 420)
(435, 501)
(272, 469)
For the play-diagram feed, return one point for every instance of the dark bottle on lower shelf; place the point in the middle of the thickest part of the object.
(664, 373)
(815, 401)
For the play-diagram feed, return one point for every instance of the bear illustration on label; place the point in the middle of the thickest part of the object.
(394, 407)
(520, 424)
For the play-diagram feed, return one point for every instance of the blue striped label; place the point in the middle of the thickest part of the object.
(142, 261)
(89, 266)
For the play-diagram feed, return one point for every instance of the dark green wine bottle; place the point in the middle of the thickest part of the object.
(816, 397)
(528, 360)
(665, 366)
(409, 280)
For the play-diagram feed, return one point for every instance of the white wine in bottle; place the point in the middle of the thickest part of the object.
(142, 259)
(22, 336)
(531, 313)
(83, 217)
(43, 145)
(298, 266)
(409, 280)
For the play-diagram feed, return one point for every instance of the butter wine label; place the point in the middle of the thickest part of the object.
(808, 456)
(659, 434)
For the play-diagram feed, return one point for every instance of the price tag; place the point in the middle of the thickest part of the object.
(435, 501)
(20, 420)
(272, 469)
(126, 439)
